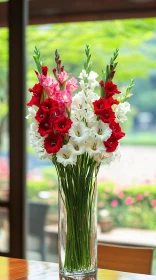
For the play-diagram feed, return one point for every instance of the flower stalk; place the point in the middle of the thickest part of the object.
(78, 193)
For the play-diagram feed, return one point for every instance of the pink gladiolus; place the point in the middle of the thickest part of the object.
(129, 200)
(62, 77)
(139, 196)
(153, 202)
(114, 203)
(71, 85)
(49, 84)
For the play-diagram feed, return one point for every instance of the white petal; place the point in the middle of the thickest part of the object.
(83, 75)
(94, 146)
(77, 148)
(32, 112)
(101, 130)
(121, 111)
(66, 156)
(92, 75)
(79, 132)
(79, 101)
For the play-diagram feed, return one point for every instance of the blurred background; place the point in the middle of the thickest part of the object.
(126, 189)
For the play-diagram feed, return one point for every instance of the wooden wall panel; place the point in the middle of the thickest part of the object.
(49, 11)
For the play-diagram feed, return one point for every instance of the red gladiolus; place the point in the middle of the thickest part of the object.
(111, 144)
(44, 70)
(41, 115)
(45, 127)
(110, 89)
(111, 76)
(37, 89)
(62, 125)
(108, 115)
(49, 105)
(112, 101)
(37, 93)
(116, 131)
(103, 109)
(53, 142)
(102, 83)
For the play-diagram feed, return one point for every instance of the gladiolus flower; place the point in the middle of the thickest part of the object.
(110, 89)
(62, 78)
(49, 105)
(111, 144)
(66, 155)
(103, 109)
(62, 125)
(36, 97)
(45, 127)
(53, 143)
(41, 115)
(116, 131)
(44, 70)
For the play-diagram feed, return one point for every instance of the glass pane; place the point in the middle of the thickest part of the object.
(4, 230)
(126, 189)
(4, 136)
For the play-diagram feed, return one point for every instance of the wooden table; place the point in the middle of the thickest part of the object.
(13, 269)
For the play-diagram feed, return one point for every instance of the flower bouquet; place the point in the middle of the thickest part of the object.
(77, 133)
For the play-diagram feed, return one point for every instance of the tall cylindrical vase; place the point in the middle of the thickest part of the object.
(77, 225)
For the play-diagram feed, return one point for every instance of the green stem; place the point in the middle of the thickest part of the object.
(77, 191)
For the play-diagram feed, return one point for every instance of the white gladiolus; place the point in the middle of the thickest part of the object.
(91, 118)
(117, 154)
(121, 111)
(92, 76)
(101, 130)
(91, 96)
(78, 115)
(93, 84)
(36, 141)
(103, 157)
(94, 146)
(66, 156)
(78, 101)
(83, 85)
(32, 112)
(79, 132)
(77, 148)
(107, 158)
(83, 75)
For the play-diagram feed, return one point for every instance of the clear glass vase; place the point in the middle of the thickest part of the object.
(77, 226)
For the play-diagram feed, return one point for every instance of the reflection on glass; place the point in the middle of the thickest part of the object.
(4, 137)
(4, 230)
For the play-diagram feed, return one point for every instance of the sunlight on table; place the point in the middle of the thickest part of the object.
(4, 269)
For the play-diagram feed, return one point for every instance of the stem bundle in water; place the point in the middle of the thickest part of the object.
(77, 188)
